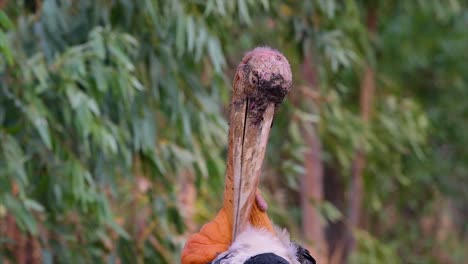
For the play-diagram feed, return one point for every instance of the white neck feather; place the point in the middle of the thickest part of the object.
(253, 241)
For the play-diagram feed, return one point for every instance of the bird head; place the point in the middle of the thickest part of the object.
(263, 77)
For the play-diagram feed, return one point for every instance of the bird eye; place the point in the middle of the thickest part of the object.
(254, 78)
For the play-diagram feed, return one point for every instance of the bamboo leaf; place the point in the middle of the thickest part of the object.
(41, 124)
(5, 21)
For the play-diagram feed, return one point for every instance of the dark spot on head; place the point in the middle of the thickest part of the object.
(273, 90)
(266, 92)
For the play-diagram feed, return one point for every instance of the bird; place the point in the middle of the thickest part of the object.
(262, 80)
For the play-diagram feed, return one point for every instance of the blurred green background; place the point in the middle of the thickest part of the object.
(113, 127)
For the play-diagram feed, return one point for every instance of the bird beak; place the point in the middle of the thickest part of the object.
(249, 144)
(262, 80)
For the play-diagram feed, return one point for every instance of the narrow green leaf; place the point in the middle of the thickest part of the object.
(190, 34)
(5, 49)
(99, 76)
(41, 125)
(5, 21)
(121, 57)
(33, 205)
(243, 11)
(136, 84)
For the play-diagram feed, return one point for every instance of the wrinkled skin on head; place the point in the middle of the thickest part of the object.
(263, 76)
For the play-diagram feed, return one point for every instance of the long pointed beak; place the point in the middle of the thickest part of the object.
(262, 80)
(249, 145)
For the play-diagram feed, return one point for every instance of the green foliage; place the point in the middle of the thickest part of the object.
(371, 250)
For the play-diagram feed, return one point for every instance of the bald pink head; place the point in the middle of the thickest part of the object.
(264, 76)
(268, 62)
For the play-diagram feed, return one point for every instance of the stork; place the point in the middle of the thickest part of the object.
(262, 80)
